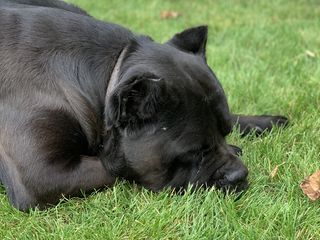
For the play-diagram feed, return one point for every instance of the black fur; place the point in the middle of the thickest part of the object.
(163, 124)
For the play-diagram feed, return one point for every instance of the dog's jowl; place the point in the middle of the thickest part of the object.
(83, 102)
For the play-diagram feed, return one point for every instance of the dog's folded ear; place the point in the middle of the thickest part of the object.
(192, 40)
(134, 101)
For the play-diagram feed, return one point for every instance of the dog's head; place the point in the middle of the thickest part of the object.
(167, 118)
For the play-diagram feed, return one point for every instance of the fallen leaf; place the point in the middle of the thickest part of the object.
(169, 14)
(310, 54)
(274, 171)
(311, 186)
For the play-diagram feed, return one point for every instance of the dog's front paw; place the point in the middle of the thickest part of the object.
(279, 120)
(269, 121)
(260, 124)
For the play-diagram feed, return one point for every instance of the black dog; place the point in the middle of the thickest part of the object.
(83, 102)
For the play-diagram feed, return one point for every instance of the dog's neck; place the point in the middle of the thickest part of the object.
(114, 78)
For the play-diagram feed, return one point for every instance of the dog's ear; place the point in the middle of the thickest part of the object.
(134, 101)
(192, 40)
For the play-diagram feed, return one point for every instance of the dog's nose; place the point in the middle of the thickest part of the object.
(237, 175)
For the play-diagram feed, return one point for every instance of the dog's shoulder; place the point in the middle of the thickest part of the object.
(44, 3)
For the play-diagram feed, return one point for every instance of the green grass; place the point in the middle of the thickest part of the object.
(258, 51)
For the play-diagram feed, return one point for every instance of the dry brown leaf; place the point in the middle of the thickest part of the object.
(274, 171)
(311, 186)
(169, 14)
(310, 54)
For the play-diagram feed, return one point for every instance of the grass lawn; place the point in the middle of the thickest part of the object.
(259, 51)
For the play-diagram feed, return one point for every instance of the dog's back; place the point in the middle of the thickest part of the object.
(45, 3)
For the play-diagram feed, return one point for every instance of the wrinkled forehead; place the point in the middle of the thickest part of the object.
(187, 78)
(176, 67)
(203, 107)
(191, 72)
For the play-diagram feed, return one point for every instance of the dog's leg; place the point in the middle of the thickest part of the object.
(26, 192)
(43, 156)
(88, 174)
(257, 124)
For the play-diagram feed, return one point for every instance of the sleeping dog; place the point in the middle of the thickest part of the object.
(83, 102)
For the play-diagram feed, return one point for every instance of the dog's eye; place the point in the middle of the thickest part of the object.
(202, 149)
(206, 149)
(196, 153)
